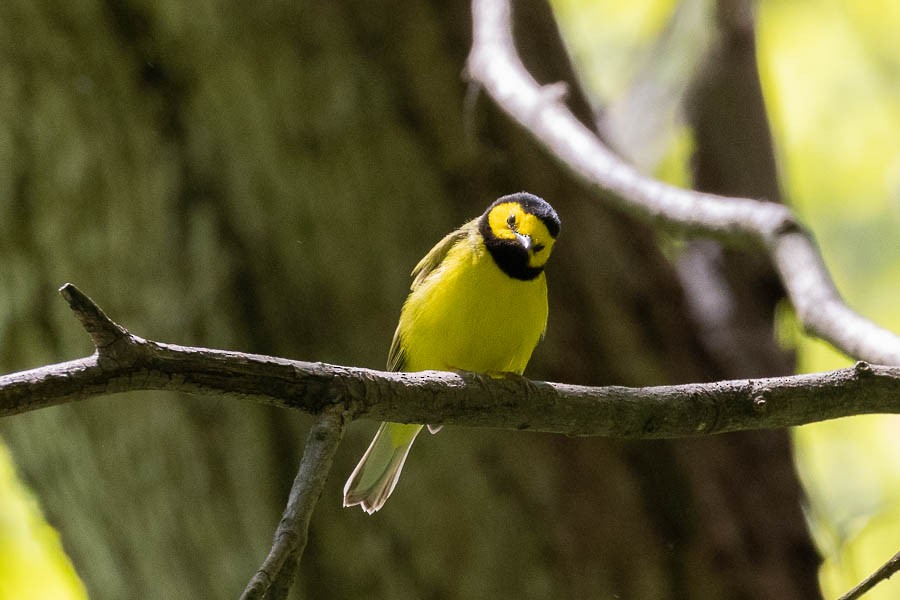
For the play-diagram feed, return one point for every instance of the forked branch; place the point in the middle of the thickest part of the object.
(123, 362)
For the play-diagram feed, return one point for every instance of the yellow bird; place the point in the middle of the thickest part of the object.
(478, 302)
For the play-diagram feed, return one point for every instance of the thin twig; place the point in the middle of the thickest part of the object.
(275, 576)
(466, 399)
(496, 66)
(883, 573)
(104, 332)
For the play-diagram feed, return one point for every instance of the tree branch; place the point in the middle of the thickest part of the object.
(275, 576)
(883, 573)
(495, 64)
(467, 399)
(105, 333)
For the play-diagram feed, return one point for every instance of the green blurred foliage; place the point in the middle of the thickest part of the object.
(831, 71)
(608, 38)
(831, 76)
(33, 565)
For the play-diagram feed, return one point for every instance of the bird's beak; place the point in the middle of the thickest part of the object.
(525, 240)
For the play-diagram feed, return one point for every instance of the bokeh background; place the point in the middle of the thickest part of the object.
(830, 71)
(261, 178)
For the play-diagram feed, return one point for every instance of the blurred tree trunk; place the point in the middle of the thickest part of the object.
(262, 177)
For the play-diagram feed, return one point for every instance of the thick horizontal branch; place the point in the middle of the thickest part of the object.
(466, 399)
(541, 110)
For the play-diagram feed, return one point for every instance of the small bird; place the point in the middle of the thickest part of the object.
(478, 302)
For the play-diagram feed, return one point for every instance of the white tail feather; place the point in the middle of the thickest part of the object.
(376, 475)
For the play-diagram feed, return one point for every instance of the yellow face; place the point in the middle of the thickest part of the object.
(509, 221)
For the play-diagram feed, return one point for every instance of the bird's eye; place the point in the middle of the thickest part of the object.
(511, 220)
(538, 247)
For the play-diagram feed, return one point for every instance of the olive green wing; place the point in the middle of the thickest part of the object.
(397, 355)
(435, 256)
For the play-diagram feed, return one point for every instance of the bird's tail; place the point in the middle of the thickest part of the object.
(374, 478)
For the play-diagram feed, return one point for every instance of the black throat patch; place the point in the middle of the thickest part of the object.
(509, 255)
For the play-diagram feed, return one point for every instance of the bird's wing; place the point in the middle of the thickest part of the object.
(437, 254)
(397, 355)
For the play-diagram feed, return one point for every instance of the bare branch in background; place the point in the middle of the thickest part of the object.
(495, 65)
(883, 573)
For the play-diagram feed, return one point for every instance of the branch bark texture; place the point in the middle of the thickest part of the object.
(883, 573)
(495, 64)
(468, 399)
(274, 577)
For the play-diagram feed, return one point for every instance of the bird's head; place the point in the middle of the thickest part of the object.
(519, 230)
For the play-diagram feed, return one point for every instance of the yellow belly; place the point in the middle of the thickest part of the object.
(468, 315)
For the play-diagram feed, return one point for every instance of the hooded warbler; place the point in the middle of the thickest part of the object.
(478, 302)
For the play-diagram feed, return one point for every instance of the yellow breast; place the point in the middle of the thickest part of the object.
(468, 315)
